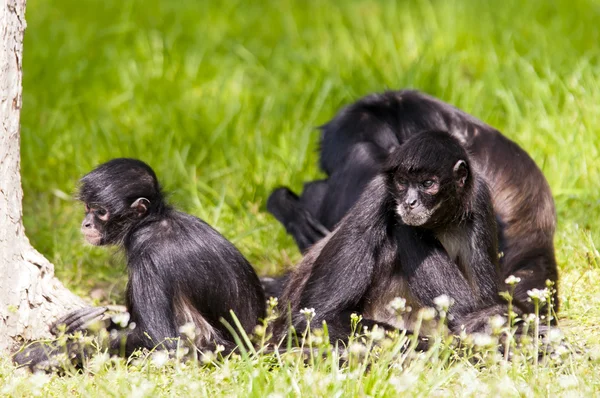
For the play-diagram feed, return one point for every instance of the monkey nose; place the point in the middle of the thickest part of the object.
(411, 203)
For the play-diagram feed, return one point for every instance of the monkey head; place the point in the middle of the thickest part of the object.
(117, 195)
(430, 179)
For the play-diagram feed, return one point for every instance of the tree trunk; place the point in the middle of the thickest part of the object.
(30, 296)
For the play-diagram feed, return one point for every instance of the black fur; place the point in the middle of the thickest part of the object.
(356, 144)
(373, 256)
(180, 269)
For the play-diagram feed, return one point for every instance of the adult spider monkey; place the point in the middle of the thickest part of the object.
(358, 141)
(423, 227)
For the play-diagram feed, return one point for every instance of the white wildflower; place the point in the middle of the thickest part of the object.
(207, 357)
(443, 302)
(272, 302)
(555, 335)
(354, 317)
(404, 382)
(121, 319)
(561, 350)
(539, 294)
(482, 339)
(309, 313)
(98, 362)
(427, 313)
(357, 348)
(160, 358)
(315, 339)
(398, 304)
(259, 330)
(219, 348)
(497, 321)
(567, 381)
(188, 330)
(512, 280)
(37, 381)
(378, 333)
(594, 353)
(506, 387)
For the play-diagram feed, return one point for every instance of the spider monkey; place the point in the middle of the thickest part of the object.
(424, 226)
(356, 144)
(180, 269)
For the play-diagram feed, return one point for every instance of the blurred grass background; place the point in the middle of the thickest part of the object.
(222, 99)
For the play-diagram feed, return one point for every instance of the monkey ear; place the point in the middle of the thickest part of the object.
(140, 206)
(461, 172)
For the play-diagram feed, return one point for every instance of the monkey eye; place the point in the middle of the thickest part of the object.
(101, 213)
(427, 183)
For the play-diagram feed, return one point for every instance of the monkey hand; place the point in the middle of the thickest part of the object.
(79, 319)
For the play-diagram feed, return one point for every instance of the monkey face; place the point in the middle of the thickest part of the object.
(417, 198)
(93, 224)
(429, 198)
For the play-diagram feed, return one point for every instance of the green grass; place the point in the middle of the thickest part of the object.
(222, 99)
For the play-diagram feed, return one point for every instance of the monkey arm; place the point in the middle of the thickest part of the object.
(483, 263)
(336, 273)
(431, 273)
(150, 295)
(298, 221)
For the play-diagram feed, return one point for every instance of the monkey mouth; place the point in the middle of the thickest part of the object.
(412, 218)
(93, 239)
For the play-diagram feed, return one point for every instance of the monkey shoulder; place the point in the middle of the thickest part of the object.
(182, 238)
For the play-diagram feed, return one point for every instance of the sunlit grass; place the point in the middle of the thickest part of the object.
(222, 99)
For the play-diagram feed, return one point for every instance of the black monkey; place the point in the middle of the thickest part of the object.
(423, 227)
(359, 139)
(180, 269)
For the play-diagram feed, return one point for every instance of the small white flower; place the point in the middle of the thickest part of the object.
(378, 333)
(207, 357)
(357, 348)
(512, 280)
(121, 319)
(309, 313)
(314, 339)
(567, 381)
(272, 302)
(98, 361)
(259, 330)
(497, 321)
(219, 348)
(482, 339)
(188, 330)
(38, 380)
(443, 302)
(404, 382)
(427, 313)
(539, 294)
(561, 350)
(160, 358)
(555, 335)
(398, 304)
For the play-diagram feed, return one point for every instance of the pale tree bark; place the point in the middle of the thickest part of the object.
(30, 296)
